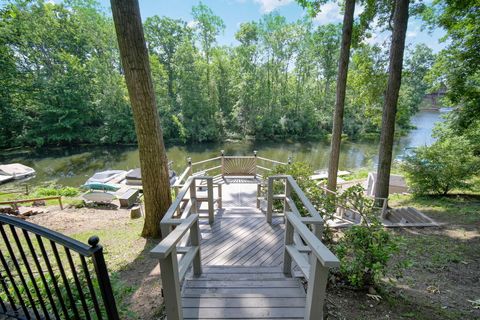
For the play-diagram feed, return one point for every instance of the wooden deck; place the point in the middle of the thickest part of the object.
(242, 256)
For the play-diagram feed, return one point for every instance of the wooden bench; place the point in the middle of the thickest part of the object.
(129, 198)
(14, 203)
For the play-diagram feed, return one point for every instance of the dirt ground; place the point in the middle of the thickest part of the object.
(441, 281)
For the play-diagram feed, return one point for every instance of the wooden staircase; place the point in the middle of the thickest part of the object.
(243, 293)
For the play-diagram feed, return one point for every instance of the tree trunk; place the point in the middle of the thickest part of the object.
(153, 159)
(341, 90)
(397, 47)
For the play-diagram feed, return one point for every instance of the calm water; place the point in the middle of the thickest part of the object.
(73, 166)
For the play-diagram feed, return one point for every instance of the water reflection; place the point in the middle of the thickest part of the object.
(73, 166)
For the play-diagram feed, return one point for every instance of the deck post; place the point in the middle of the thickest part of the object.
(287, 259)
(270, 200)
(316, 292)
(318, 231)
(288, 193)
(171, 286)
(219, 196)
(259, 192)
(195, 238)
(210, 200)
(255, 164)
(222, 160)
(193, 195)
(189, 163)
(165, 229)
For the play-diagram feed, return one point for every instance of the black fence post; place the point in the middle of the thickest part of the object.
(103, 279)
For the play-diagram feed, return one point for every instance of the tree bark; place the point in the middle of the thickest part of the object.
(340, 96)
(397, 47)
(153, 159)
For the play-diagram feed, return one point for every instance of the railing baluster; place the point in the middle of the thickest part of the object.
(42, 276)
(2, 304)
(93, 295)
(29, 271)
(52, 276)
(73, 304)
(77, 283)
(13, 305)
(15, 287)
(20, 274)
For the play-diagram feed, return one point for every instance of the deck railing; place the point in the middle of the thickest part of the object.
(291, 188)
(46, 275)
(314, 260)
(188, 202)
(226, 166)
(173, 270)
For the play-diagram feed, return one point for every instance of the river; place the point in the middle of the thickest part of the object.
(73, 166)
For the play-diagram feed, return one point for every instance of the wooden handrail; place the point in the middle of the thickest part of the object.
(205, 161)
(165, 247)
(271, 160)
(291, 186)
(323, 254)
(174, 271)
(315, 269)
(169, 221)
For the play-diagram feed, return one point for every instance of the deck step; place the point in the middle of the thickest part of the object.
(235, 292)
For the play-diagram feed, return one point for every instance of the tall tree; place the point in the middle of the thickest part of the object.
(209, 27)
(153, 158)
(341, 90)
(397, 48)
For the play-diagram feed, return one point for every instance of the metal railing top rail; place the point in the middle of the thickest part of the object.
(54, 236)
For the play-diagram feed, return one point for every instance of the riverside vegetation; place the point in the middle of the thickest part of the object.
(278, 81)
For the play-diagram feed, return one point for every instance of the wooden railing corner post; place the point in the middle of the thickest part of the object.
(255, 164)
(211, 213)
(287, 259)
(316, 292)
(171, 286)
(193, 195)
(270, 199)
(195, 238)
(288, 192)
(222, 162)
(189, 163)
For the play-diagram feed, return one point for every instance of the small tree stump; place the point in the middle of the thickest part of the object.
(135, 212)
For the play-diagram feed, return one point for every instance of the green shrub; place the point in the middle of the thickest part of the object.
(445, 165)
(365, 249)
(54, 190)
(301, 172)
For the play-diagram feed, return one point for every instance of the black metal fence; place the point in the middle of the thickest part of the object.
(47, 275)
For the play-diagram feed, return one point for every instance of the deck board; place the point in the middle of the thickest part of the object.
(241, 259)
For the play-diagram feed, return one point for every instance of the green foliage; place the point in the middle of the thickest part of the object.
(364, 250)
(324, 203)
(447, 164)
(56, 191)
(62, 80)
